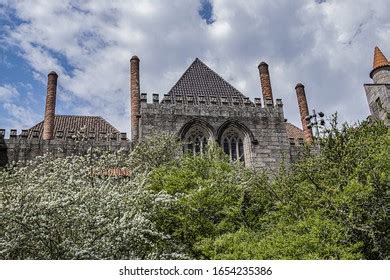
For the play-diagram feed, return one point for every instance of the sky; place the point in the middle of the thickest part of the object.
(326, 45)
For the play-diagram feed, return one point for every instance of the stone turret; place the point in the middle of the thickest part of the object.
(50, 109)
(378, 93)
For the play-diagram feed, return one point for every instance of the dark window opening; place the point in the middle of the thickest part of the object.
(241, 150)
(379, 103)
(195, 143)
(233, 146)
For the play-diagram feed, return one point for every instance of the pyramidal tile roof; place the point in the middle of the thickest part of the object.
(67, 123)
(200, 84)
(379, 59)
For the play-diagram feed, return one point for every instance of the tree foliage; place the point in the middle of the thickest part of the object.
(333, 204)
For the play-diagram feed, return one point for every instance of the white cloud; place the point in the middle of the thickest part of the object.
(220, 29)
(19, 116)
(326, 46)
(7, 92)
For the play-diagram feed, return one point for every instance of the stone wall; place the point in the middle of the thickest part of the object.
(378, 98)
(266, 140)
(19, 148)
(264, 126)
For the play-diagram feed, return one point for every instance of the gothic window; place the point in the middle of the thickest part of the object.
(233, 144)
(195, 141)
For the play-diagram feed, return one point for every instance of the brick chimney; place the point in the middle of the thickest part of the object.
(265, 81)
(304, 112)
(50, 109)
(134, 97)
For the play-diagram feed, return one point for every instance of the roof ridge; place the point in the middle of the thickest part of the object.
(293, 131)
(184, 74)
(76, 122)
(219, 76)
(78, 116)
(108, 124)
(294, 125)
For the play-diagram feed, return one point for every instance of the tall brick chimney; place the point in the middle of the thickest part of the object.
(265, 81)
(50, 109)
(304, 112)
(134, 97)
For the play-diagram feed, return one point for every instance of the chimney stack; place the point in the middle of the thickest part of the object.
(50, 109)
(134, 97)
(304, 112)
(265, 81)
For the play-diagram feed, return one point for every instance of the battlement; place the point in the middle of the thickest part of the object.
(189, 105)
(28, 144)
(63, 135)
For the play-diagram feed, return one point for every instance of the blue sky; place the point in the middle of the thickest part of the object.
(327, 45)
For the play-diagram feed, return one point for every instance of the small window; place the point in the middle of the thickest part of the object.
(292, 141)
(300, 141)
(378, 103)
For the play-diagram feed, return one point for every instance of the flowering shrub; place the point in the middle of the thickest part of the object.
(68, 208)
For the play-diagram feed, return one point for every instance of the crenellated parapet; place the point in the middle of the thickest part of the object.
(27, 144)
(263, 126)
(211, 106)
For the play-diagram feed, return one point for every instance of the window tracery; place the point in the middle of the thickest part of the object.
(232, 142)
(195, 140)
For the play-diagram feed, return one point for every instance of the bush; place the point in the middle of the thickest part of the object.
(71, 208)
(333, 204)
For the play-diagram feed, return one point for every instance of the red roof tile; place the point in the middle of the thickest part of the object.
(293, 131)
(76, 123)
(379, 59)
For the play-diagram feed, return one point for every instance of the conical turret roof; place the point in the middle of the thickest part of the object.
(379, 60)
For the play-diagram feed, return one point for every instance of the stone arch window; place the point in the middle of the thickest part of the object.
(195, 140)
(232, 142)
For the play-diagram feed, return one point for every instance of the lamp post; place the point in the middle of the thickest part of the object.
(313, 122)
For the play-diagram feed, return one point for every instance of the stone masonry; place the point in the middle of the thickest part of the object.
(188, 106)
(21, 148)
(264, 128)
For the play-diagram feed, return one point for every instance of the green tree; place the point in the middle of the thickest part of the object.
(331, 205)
(214, 197)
